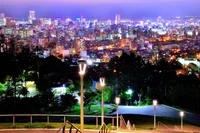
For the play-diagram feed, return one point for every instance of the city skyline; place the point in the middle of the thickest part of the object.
(101, 9)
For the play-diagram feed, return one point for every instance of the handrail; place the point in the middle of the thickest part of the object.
(70, 129)
(104, 129)
(1, 115)
(176, 128)
(161, 124)
(52, 115)
(122, 122)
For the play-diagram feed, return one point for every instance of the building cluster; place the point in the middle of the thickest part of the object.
(99, 40)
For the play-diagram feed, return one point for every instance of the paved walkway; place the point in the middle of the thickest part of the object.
(86, 131)
(161, 110)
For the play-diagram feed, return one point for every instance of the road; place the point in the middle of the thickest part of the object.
(161, 110)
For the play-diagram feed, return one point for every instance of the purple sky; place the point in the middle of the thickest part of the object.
(100, 8)
(101, 1)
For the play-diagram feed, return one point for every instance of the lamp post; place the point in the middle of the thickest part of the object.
(129, 92)
(102, 83)
(181, 114)
(155, 102)
(82, 68)
(117, 101)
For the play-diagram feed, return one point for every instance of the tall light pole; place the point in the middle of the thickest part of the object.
(102, 83)
(82, 68)
(155, 102)
(181, 114)
(117, 101)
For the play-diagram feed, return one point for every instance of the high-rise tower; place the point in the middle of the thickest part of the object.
(117, 18)
(31, 16)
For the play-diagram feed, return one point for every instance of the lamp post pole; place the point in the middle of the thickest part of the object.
(82, 67)
(182, 114)
(102, 83)
(117, 100)
(154, 104)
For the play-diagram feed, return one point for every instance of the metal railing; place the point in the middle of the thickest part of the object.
(104, 129)
(160, 124)
(70, 129)
(48, 117)
(122, 123)
(176, 128)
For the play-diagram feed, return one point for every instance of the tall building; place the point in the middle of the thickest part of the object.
(2, 19)
(31, 16)
(117, 18)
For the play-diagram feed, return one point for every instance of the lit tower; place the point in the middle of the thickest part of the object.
(31, 16)
(117, 18)
(2, 19)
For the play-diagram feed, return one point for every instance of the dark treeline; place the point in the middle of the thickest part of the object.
(158, 81)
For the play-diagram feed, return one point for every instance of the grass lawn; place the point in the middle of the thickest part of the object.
(45, 125)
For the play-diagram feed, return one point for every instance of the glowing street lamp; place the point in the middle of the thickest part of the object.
(117, 101)
(155, 102)
(129, 92)
(102, 84)
(181, 114)
(82, 68)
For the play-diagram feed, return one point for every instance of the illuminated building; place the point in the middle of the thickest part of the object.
(117, 18)
(31, 16)
(2, 20)
(10, 23)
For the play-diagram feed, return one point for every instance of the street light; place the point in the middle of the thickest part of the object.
(102, 83)
(155, 102)
(181, 114)
(129, 92)
(117, 101)
(82, 68)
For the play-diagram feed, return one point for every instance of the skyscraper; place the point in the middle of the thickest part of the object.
(117, 18)
(2, 19)
(31, 16)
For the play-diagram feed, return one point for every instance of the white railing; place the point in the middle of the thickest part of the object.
(104, 129)
(122, 123)
(160, 124)
(48, 116)
(72, 127)
(176, 128)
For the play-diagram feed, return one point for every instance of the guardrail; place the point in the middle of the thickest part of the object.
(123, 124)
(176, 128)
(48, 116)
(70, 129)
(104, 129)
(160, 124)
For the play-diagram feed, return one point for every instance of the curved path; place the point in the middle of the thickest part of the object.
(161, 110)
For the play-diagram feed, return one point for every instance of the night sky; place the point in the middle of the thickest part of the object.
(102, 9)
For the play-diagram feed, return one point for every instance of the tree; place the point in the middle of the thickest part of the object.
(67, 101)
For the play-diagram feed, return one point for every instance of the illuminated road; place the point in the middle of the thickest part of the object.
(161, 110)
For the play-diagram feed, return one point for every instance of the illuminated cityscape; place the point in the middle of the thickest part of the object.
(131, 53)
